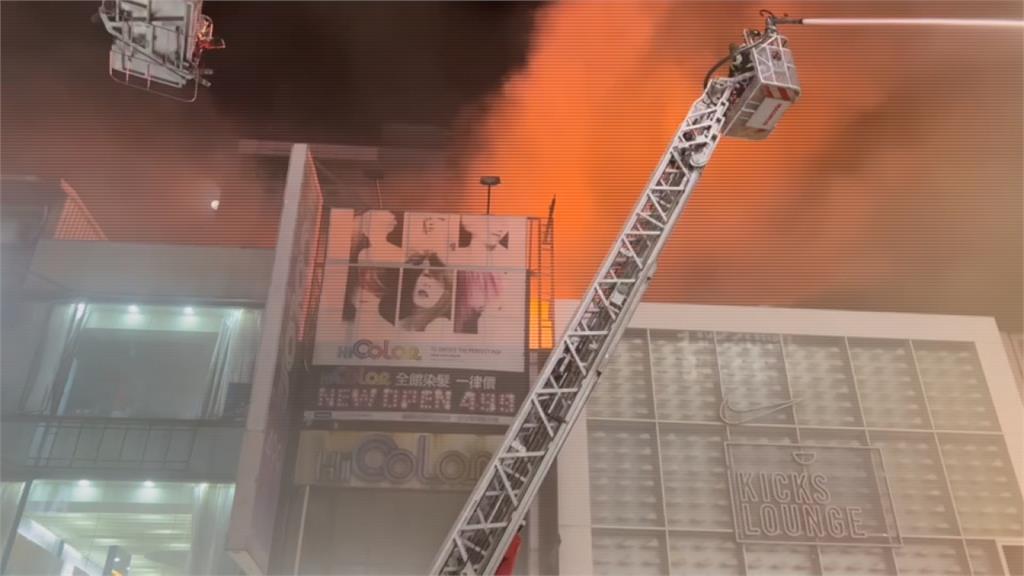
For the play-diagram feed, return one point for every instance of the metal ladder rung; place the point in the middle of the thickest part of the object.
(652, 220)
(557, 391)
(523, 454)
(589, 333)
(487, 526)
(700, 125)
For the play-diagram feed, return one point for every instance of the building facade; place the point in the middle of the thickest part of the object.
(725, 440)
(126, 425)
(421, 356)
(175, 409)
(127, 371)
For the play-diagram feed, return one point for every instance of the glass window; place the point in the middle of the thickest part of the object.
(10, 494)
(139, 361)
(137, 528)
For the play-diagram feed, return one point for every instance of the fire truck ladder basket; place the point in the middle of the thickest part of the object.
(158, 44)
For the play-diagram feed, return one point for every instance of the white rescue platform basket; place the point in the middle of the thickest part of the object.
(157, 45)
(773, 86)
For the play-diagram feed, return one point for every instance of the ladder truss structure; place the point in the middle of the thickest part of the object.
(497, 507)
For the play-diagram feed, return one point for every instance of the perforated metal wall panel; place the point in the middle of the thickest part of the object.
(730, 452)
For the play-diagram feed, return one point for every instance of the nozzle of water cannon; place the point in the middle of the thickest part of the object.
(788, 20)
(771, 21)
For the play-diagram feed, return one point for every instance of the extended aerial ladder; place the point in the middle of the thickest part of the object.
(761, 85)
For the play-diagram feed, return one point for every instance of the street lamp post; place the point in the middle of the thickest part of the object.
(489, 181)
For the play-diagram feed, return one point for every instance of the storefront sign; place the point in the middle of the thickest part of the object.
(359, 393)
(810, 494)
(424, 290)
(400, 460)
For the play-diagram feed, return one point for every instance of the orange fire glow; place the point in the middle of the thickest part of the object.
(608, 82)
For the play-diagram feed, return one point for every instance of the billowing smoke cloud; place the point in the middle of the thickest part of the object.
(150, 175)
(894, 184)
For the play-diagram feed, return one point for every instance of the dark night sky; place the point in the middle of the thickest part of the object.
(318, 71)
(895, 184)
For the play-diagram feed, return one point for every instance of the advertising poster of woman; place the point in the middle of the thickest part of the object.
(427, 290)
(370, 297)
(462, 280)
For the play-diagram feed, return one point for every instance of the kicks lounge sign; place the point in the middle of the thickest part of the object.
(810, 494)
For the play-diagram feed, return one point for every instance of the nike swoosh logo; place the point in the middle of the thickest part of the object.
(749, 414)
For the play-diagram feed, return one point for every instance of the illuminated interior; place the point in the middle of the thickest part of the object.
(150, 528)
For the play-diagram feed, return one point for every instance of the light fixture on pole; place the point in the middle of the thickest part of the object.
(489, 181)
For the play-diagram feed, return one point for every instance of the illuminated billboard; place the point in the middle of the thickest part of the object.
(421, 313)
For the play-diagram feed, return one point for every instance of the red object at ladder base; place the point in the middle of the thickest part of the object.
(508, 563)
